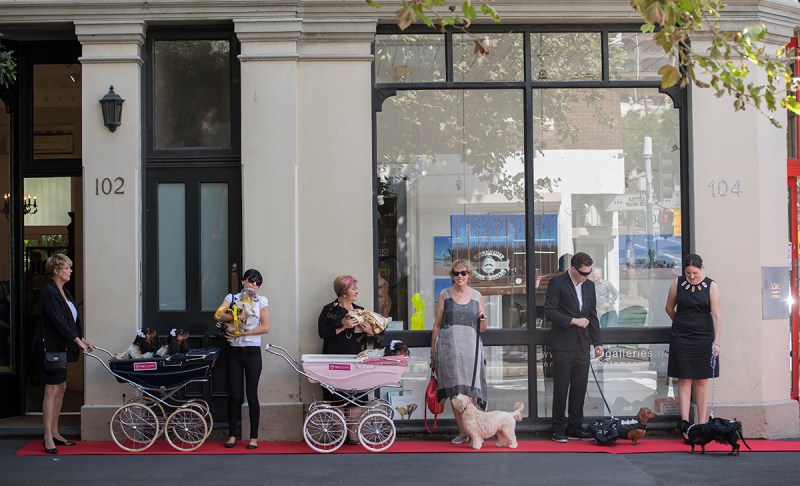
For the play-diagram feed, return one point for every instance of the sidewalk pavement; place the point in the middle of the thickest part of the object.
(601, 469)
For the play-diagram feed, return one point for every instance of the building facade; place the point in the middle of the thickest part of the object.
(314, 139)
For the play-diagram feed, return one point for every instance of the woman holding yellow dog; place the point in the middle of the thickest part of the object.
(250, 316)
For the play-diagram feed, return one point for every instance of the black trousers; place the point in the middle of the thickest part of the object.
(570, 378)
(244, 370)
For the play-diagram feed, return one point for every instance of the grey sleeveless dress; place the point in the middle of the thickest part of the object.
(455, 350)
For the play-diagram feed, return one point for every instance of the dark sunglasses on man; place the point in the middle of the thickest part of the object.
(583, 274)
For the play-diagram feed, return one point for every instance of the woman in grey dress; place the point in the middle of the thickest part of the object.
(456, 351)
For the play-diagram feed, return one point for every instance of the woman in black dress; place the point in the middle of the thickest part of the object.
(693, 305)
(59, 328)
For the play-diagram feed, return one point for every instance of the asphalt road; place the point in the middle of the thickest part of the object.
(751, 468)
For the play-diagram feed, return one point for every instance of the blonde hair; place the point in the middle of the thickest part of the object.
(461, 263)
(55, 263)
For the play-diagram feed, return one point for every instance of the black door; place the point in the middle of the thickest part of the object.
(192, 259)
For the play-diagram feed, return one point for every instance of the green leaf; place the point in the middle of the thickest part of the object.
(670, 75)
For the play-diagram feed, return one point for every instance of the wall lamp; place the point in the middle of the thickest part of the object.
(112, 109)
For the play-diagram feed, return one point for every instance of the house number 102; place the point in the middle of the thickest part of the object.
(107, 186)
(722, 188)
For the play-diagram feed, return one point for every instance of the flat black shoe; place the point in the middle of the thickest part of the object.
(65, 442)
(49, 451)
(252, 446)
(230, 445)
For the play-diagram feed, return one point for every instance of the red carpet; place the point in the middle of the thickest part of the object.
(34, 448)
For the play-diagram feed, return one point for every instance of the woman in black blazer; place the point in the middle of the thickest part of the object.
(58, 329)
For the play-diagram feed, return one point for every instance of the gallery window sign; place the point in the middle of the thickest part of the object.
(495, 245)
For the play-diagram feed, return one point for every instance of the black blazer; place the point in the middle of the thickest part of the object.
(56, 323)
(561, 306)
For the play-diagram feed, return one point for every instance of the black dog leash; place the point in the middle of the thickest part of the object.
(713, 380)
(600, 389)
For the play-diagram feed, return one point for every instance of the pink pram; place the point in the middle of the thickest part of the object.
(327, 424)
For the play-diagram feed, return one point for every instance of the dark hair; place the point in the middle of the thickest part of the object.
(253, 276)
(692, 260)
(581, 259)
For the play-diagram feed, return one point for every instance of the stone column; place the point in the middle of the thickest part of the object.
(737, 234)
(112, 163)
(269, 181)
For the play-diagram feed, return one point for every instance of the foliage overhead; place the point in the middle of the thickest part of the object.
(8, 67)
(723, 67)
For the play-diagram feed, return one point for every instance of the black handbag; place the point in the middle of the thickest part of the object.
(55, 361)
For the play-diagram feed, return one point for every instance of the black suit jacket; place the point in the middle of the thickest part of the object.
(56, 324)
(561, 306)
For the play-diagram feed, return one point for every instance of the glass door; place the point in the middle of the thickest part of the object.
(192, 258)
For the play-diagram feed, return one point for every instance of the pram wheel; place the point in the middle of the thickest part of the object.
(202, 407)
(186, 429)
(134, 427)
(324, 430)
(153, 405)
(376, 432)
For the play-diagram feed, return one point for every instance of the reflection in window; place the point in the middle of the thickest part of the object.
(491, 57)
(612, 155)
(570, 56)
(192, 106)
(635, 56)
(632, 376)
(506, 379)
(451, 176)
(409, 58)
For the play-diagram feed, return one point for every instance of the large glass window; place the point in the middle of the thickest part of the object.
(475, 170)
(609, 159)
(192, 103)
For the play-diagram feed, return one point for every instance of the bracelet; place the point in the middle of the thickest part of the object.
(714, 344)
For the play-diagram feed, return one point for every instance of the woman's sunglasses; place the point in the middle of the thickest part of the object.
(463, 273)
(255, 281)
(585, 274)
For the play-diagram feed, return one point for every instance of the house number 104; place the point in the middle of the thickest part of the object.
(107, 186)
(722, 188)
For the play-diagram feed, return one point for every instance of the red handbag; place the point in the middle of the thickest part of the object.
(432, 403)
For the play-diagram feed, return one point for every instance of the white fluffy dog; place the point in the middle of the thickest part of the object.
(483, 425)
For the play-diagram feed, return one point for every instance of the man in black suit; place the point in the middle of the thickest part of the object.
(571, 307)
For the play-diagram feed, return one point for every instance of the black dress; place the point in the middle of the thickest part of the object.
(692, 333)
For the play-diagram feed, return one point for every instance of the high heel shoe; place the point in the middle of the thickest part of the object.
(65, 442)
(48, 450)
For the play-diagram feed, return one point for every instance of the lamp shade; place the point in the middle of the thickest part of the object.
(111, 105)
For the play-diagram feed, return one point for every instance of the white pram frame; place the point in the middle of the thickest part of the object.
(327, 424)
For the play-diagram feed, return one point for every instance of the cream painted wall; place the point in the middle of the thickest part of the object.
(269, 185)
(742, 147)
(335, 171)
(111, 56)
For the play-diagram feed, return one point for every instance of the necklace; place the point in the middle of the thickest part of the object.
(694, 287)
(350, 336)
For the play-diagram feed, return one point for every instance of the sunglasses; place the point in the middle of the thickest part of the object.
(584, 274)
(255, 281)
(463, 273)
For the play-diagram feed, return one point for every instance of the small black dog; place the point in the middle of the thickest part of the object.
(723, 431)
(177, 342)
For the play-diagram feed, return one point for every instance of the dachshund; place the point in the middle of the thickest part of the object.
(635, 430)
(723, 431)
